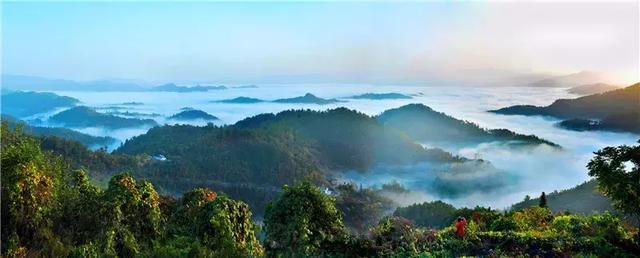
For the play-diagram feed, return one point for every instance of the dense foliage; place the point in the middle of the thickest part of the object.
(617, 170)
(252, 159)
(424, 124)
(303, 221)
(362, 208)
(293, 227)
(50, 210)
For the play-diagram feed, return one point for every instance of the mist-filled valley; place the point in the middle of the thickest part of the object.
(319, 129)
(498, 173)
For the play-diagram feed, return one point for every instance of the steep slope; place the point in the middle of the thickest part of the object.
(424, 124)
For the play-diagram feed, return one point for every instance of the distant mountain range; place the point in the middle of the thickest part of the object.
(426, 125)
(572, 80)
(20, 82)
(590, 89)
(22, 104)
(170, 87)
(617, 110)
(34, 83)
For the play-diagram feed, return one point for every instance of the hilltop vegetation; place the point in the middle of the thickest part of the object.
(424, 124)
(50, 209)
(82, 116)
(253, 158)
(347, 139)
(616, 110)
(22, 104)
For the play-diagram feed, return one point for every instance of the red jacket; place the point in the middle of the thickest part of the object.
(460, 227)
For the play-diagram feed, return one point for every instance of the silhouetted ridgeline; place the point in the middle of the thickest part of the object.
(21, 104)
(424, 124)
(193, 114)
(590, 89)
(379, 96)
(308, 99)
(617, 110)
(240, 100)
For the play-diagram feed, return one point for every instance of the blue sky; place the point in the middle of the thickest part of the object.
(335, 41)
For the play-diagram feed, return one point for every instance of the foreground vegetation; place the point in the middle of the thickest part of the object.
(52, 210)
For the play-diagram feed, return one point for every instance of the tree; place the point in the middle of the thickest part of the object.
(303, 222)
(30, 194)
(617, 170)
(543, 200)
(132, 215)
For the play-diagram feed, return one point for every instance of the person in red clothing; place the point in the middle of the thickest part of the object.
(460, 226)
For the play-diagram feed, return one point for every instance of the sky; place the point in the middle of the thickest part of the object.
(390, 42)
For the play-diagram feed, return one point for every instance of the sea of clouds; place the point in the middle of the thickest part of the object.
(515, 172)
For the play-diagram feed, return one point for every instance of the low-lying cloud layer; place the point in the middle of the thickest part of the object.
(514, 171)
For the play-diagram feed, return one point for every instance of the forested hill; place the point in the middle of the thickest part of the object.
(347, 139)
(253, 158)
(613, 110)
(425, 124)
